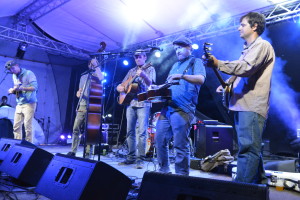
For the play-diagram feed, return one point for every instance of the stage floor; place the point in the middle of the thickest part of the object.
(112, 159)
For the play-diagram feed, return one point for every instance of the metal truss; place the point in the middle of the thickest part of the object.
(41, 42)
(275, 13)
(37, 9)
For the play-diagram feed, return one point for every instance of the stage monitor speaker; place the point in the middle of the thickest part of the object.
(161, 186)
(26, 163)
(72, 178)
(6, 144)
(209, 139)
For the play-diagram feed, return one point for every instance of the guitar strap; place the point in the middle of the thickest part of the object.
(191, 64)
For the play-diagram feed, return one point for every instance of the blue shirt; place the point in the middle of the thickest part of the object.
(185, 95)
(26, 78)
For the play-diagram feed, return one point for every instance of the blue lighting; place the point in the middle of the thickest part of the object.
(157, 54)
(195, 46)
(125, 62)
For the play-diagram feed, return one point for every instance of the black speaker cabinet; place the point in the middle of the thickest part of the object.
(26, 163)
(159, 186)
(6, 144)
(209, 139)
(72, 178)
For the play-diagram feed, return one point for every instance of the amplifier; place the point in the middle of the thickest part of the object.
(209, 139)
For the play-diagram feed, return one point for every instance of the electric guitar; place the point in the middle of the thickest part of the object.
(227, 86)
(130, 88)
(158, 93)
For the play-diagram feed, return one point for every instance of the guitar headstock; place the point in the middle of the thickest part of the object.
(207, 49)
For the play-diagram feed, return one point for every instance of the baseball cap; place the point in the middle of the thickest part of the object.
(183, 41)
(140, 52)
(10, 63)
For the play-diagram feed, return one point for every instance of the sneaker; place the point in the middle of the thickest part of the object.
(139, 164)
(127, 162)
(71, 153)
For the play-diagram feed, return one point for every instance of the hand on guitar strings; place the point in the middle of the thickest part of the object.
(140, 73)
(173, 77)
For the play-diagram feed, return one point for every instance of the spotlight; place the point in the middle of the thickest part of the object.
(157, 54)
(21, 50)
(195, 46)
(125, 62)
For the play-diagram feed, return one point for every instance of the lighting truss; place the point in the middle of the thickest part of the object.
(37, 9)
(275, 13)
(41, 42)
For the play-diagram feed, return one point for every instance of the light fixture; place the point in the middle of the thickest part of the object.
(21, 50)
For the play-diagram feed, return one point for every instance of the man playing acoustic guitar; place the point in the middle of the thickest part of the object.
(137, 113)
(25, 88)
(251, 95)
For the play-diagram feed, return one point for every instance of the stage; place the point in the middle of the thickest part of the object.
(10, 189)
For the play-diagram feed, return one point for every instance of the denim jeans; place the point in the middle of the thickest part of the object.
(249, 127)
(137, 124)
(176, 124)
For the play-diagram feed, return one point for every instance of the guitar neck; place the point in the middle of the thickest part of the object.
(220, 78)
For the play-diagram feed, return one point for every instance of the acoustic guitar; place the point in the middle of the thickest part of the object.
(130, 88)
(227, 86)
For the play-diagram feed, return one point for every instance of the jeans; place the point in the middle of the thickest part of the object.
(78, 123)
(24, 113)
(176, 124)
(249, 127)
(137, 124)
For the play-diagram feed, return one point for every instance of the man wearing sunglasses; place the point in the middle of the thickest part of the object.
(137, 113)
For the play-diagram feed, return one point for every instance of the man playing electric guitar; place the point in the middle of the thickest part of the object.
(137, 112)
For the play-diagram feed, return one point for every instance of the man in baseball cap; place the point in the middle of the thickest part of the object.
(183, 41)
(25, 89)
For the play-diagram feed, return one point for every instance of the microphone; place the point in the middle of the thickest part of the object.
(155, 48)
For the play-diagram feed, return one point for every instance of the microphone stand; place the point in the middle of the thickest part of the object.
(4, 78)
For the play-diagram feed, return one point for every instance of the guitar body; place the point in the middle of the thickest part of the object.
(160, 95)
(131, 89)
(226, 95)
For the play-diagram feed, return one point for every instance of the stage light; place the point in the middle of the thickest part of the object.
(104, 81)
(157, 54)
(104, 74)
(62, 137)
(125, 62)
(195, 46)
(21, 50)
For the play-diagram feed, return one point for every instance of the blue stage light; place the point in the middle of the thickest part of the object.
(125, 62)
(195, 46)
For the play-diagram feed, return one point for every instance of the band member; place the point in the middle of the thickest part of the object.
(137, 113)
(82, 109)
(25, 88)
(251, 95)
(4, 101)
(178, 113)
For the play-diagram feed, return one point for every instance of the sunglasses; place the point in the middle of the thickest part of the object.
(138, 56)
